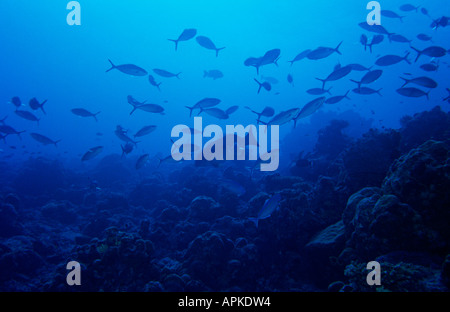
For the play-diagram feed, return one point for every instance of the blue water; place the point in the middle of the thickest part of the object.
(42, 56)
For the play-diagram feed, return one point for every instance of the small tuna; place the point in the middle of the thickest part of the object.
(208, 44)
(145, 130)
(165, 73)
(389, 60)
(337, 99)
(81, 112)
(27, 115)
(186, 35)
(421, 81)
(323, 52)
(412, 92)
(43, 139)
(35, 105)
(91, 153)
(128, 69)
(142, 161)
(431, 52)
(204, 103)
(268, 208)
(264, 85)
(153, 82)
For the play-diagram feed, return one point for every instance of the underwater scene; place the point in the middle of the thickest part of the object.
(224, 146)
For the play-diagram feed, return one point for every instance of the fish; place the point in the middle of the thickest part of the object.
(425, 12)
(215, 112)
(412, 92)
(364, 41)
(375, 29)
(84, 113)
(391, 14)
(424, 37)
(370, 77)
(232, 109)
(337, 99)
(127, 149)
(153, 82)
(266, 112)
(290, 79)
(27, 115)
(388, 60)
(122, 135)
(270, 57)
(16, 101)
(150, 108)
(142, 161)
(309, 109)
(283, 117)
(165, 73)
(336, 75)
(9, 130)
(409, 8)
(145, 130)
(254, 62)
(433, 51)
(400, 38)
(318, 91)
(208, 44)
(43, 139)
(270, 205)
(300, 56)
(440, 22)
(264, 85)
(204, 103)
(214, 74)
(34, 104)
(421, 81)
(128, 69)
(323, 52)
(430, 67)
(92, 152)
(186, 35)
(376, 40)
(366, 91)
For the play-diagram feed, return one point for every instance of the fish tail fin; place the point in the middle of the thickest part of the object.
(259, 83)
(328, 91)
(3, 120)
(406, 81)
(428, 95)
(157, 85)
(178, 75)
(112, 66)
(323, 82)
(95, 116)
(176, 43)
(406, 58)
(419, 53)
(357, 82)
(201, 111)
(134, 109)
(254, 220)
(42, 107)
(18, 133)
(56, 143)
(370, 47)
(276, 61)
(346, 95)
(190, 110)
(217, 51)
(378, 91)
(337, 48)
(292, 62)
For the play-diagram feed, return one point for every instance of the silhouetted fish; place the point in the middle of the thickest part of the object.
(128, 69)
(27, 115)
(424, 37)
(389, 60)
(43, 139)
(337, 99)
(336, 75)
(430, 67)
(366, 91)
(300, 56)
(412, 92)
(153, 82)
(408, 8)
(186, 35)
(145, 130)
(142, 161)
(84, 113)
(208, 44)
(204, 103)
(309, 109)
(91, 153)
(431, 51)
(215, 112)
(267, 112)
(391, 14)
(34, 104)
(165, 73)
(323, 52)
(264, 85)
(421, 81)
(269, 207)
(232, 109)
(16, 101)
(370, 77)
